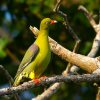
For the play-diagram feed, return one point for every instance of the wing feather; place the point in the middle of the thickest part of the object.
(29, 56)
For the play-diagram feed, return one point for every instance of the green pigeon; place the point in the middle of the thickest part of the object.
(37, 57)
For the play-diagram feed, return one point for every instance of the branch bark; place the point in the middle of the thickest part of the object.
(86, 63)
(91, 78)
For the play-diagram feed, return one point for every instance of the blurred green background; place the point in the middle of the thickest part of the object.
(15, 37)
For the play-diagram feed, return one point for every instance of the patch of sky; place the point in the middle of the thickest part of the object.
(7, 16)
(4, 86)
(27, 95)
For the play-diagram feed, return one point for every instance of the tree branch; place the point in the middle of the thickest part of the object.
(70, 30)
(55, 48)
(91, 78)
(10, 80)
(96, 27)
(88, 15)
(96, 44)
(84, 62)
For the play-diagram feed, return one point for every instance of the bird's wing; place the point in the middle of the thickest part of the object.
(28, 57)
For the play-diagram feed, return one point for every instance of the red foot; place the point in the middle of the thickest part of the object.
(36, 81)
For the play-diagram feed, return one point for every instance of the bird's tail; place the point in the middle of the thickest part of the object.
(15, 95)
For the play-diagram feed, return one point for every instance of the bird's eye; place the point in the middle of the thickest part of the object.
(46, 22)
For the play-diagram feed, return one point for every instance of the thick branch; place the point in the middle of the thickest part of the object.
(91, 78)
(84, 62)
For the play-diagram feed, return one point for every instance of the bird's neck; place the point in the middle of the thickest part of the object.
(42, 39)
(43, 36)
(44, 33)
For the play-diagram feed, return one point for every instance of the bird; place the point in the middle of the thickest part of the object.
(37, 57)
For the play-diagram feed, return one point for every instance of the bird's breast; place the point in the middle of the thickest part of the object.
(43, 58)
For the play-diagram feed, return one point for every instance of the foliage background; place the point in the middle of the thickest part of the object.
(15, 37)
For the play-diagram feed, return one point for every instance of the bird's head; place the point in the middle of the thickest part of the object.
(46, 22)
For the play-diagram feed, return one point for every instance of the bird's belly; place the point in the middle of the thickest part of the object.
(42, 63)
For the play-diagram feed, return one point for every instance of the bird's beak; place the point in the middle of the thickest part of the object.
(53, 22)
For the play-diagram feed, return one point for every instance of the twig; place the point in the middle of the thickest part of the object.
(10, 79)
(70, 30)
(96, 43)
(5, 72)
(66, 23)
(88, 15)
(91, 78)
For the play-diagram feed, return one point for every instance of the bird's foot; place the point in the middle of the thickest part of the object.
(36, 81)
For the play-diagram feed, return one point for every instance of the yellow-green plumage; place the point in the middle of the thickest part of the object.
(37, 57)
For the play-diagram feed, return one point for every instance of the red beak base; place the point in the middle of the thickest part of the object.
(53, 22)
